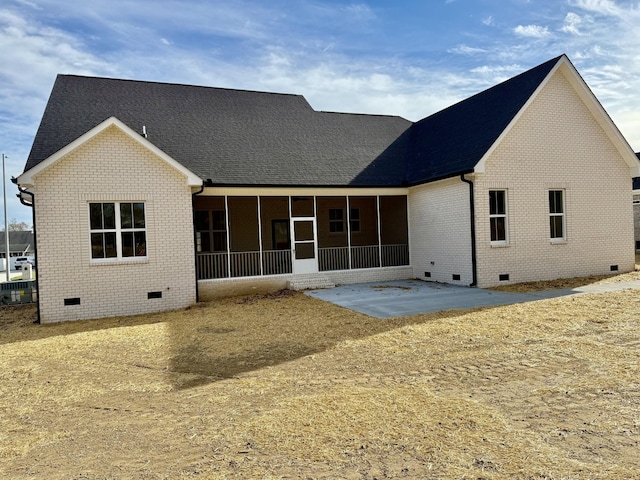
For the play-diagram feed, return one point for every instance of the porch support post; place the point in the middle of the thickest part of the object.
(379, 231)
(226, 216)
(349, 230)
(260, 234)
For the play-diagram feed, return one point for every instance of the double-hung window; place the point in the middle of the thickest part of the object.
(557, 230)
(498, 216)
(118, 230)
(336, 220)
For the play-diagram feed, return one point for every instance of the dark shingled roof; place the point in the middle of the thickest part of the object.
(237, 137)
(455, 139)
(231, 136)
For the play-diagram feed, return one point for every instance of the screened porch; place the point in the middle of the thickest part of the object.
(245, 236)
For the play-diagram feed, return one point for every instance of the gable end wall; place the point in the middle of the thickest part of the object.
(556, 144)
(112, 167)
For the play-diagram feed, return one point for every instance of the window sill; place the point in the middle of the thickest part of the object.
(95, 263)
(560, 241)
(499, 245)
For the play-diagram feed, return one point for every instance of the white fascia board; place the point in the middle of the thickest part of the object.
(590, 101)
(26, 178)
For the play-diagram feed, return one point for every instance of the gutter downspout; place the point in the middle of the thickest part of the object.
(472, 215)
(35, 238)
(195, 237)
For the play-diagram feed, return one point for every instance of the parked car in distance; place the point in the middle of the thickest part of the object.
(22, 261)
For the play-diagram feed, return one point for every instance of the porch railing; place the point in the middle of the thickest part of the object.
(333, 258)
(365, 257)
(212, 265)
(243, 264)
(395, 255)
(337, 258)
(278, 262)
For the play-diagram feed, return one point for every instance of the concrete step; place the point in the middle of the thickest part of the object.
(310, 282)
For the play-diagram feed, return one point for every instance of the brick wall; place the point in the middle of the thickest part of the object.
(440, 231)
(112, 167)
(556, 144)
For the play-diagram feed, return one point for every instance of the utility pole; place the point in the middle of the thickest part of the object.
(6, 224)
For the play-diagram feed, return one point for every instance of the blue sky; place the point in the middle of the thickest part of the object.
(408, 58)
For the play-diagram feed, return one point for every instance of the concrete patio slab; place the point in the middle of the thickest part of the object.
(410, 297)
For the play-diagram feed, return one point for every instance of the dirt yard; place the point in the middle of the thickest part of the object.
(286, 386)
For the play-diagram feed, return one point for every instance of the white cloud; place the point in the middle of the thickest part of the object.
(534, 31)
(571, 23)
(467, 50)
(488, 21)
(602, 7)
(360, 11)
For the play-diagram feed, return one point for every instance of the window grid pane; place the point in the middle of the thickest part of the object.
(138, 215)
(109, 215)
(498, 230)
(110, 247)
(140, 243)
(126, 215)
(95, 216)
(556, 227)
(97, 245)
(127, 244)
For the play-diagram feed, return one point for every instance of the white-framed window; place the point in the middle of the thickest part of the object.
(557, 219)
(117, 230)
(498, 216)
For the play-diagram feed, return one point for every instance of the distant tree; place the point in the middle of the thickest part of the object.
(15, 226)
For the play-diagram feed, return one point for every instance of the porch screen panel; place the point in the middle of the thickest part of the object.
(363, 224)
(394, 231)
(244, 236)
(333, 242)
(211, 237)
(302, 207)
(276, 237)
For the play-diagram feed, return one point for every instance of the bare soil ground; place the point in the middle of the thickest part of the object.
(287, 386)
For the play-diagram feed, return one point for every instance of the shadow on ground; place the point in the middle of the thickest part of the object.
(220, 340)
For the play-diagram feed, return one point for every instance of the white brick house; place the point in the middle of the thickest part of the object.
(150, 196)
